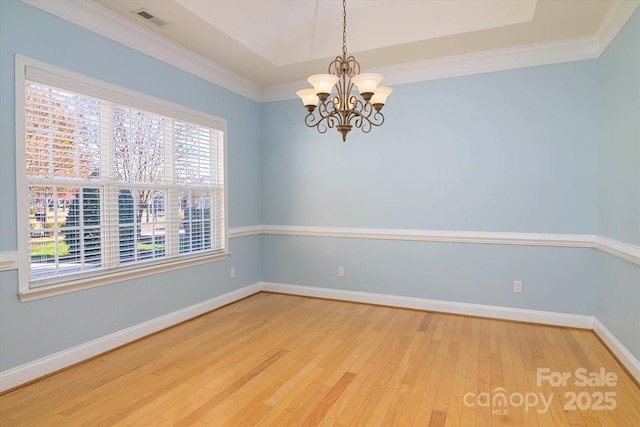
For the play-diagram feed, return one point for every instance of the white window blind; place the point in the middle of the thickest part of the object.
(112, 186)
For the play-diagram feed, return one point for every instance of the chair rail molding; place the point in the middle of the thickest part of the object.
(622, 250)
(8, 260)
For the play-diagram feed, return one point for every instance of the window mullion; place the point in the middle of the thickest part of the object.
(109, 199)
(110, 229)
(171, 208)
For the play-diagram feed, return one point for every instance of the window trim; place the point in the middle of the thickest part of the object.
(31, 69)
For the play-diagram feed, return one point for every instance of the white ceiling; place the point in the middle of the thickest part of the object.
(258, 47)
(287, 32)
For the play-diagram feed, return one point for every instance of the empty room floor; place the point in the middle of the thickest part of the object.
(284, 360)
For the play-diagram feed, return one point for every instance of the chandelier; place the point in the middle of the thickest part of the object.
(344, 110)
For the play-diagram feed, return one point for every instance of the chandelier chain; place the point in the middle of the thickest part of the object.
(344, 27)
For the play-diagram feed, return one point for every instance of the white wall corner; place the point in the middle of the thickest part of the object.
(618, 349)
(49, 364)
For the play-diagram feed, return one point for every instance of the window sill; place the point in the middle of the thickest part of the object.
(106, 279)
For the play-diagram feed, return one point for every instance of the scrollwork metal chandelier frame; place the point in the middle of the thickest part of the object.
(344, 110)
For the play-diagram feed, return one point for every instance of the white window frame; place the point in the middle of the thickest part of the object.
(34, 70)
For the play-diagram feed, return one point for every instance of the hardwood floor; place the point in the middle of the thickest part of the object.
(291, 361)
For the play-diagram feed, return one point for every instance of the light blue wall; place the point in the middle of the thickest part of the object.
(619, 142)
(619, 182)
(550, 149)
(555, 279)
(508, 151)
(40, 328)
(35, 329)
(618, 302)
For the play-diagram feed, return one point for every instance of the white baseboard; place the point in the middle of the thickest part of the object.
(479, 310)
(620, 351)
(30, 371)
(55, 362)
(494, 312)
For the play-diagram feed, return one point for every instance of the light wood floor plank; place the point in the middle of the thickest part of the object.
(281, 360)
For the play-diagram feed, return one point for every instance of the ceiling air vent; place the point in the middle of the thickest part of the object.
(149, 17)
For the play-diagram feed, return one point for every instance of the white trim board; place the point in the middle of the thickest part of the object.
(618, 349)
(466, 309)
(626, 251)
(447, 236)
(249, 230)
(8, 260)
(100, 20)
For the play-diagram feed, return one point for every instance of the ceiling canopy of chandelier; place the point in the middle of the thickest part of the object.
(344, 110)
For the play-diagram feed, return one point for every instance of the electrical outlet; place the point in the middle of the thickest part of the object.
(232, 273)
(517, 287)
(340, 271)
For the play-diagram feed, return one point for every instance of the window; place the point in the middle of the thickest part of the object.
(113, 180)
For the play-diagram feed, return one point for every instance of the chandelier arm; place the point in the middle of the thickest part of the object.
(321, 124)
(353, 64)
(328, 112)
(355, 114)
(366, 119)
(334, 66)
(379, 117)
(327, 118)
(310, 120)
(363, 123)
(376, 117)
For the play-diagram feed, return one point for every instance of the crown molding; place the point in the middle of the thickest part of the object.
(491, 60)
(618, 15)
(467, 64)
(100, 20)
